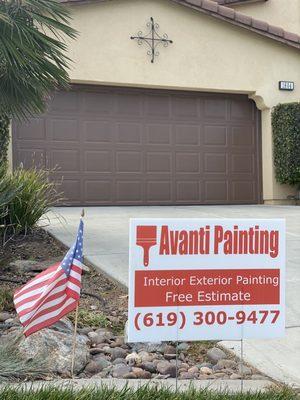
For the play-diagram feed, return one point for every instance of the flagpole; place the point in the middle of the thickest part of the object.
(74, 341)
(75, 328)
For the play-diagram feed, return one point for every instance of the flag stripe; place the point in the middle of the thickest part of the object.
(39, 290)
(48, 320)
(46, 275)
(38, 293)
(28, 308)
(51, 305)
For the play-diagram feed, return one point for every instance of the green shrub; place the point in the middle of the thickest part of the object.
(286, 140)
(4, 139)
(6, 299)
(90, 319)
(26, 196)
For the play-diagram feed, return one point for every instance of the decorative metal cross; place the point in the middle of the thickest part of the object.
(152, 39)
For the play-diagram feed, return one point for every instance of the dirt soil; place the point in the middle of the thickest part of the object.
(99, 294)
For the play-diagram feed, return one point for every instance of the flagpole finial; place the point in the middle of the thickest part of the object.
(82, 213)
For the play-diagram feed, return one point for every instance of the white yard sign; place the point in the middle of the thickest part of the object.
(194, 279)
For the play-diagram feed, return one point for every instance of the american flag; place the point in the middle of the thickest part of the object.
(53, 293)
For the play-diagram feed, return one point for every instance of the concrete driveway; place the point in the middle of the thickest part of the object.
(106, 247)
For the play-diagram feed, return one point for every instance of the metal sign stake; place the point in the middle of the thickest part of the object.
(242, 360)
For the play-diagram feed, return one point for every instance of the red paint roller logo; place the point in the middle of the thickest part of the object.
(146, 237)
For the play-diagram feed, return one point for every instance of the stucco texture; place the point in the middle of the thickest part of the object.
(285, 14)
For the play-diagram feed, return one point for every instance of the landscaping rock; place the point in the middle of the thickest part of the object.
(54, 349)
(148, 366)
(235, 376)
(193, 370)
(120, 371)
(102, 362)
(145, 356)
(222, 364)
(244, 370)
(130, 375)
(84, 331)
(186, 375)
(206, 370)
(169, 356)
(166, 368)
(4, 316)
(108, 335)
(119, 361)
(118, 352)
(140, 373)
(64, 325)
(133, 358)
(100, 336)
(184, 366)
(256, 377)
(205, 364)
(119, 341)
(169, 350)
(183, 346)
(98, 349)
(93, 368)
(159, 376)
(215, 354)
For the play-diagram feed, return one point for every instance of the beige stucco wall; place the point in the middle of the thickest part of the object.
(285, 14)
(207, 55)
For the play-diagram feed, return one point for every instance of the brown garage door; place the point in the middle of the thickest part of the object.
(132, 146)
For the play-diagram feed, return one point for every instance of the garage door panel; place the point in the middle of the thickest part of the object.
(97, 131)
(64, 103)
(128, 104)
(138, 146)
(215, 109)
(98, 161)
(215, 135)
(31, 158)
(184, 107)
(243, 190)
(215, 191)
(159, 191)
(243, 136)
(67, 160)
(215, 163)
(128, 161)
(158, 134)
(187, 135)
(242, 163)
(242, 110)
(187, 162)
(98, 191)
(129, 133)
(188, 191)
(63, 130)
(158, 162)
(71, 189)
(31, 130)
(129, 191)
(157, 106)
(100, 104)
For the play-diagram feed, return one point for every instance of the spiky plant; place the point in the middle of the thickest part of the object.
(26, 197)
(13, 367)
(33, 60)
